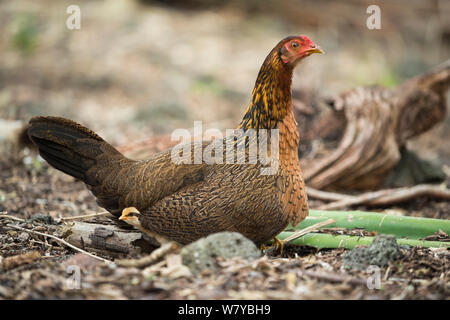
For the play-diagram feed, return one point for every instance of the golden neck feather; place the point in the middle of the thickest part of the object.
(271, 96)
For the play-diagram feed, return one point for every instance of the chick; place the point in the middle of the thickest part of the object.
(131, 216)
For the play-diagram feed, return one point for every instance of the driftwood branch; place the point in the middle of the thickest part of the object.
(368, 127)
(379, 198)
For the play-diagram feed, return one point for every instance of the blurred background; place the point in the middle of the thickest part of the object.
(142, 68)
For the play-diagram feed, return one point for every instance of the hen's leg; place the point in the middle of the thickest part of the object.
(279, 244)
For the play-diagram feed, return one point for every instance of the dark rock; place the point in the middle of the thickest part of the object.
(382, 250)
(39, 217)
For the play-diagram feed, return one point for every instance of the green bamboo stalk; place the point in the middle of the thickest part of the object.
(326, 240)
(400, 226)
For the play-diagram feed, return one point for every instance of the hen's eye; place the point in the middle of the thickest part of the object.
(294, 44)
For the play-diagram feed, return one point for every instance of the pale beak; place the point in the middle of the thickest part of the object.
(122, 217)
(315, 50)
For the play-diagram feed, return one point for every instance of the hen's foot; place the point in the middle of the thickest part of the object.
(279, 244)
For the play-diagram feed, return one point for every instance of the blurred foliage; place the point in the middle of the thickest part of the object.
(30, 109)
(158, 115)
(208, 84)
(389, 79)
(25, 33)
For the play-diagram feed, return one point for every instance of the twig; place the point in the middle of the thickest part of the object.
(355, 200)
(52, 247)
(386, 275)
(60, 241)
(309, 229)
(396, 279)
(148, 260)
(103, 213)
(7, 216)
(326, 195)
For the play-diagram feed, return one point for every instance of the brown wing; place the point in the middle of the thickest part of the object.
(231, 197)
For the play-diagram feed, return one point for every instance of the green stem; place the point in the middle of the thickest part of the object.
(325, 240)
(400, 226)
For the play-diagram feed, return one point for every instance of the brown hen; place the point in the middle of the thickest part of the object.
(184, 202)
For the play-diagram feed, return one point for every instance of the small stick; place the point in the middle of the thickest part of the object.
(4, 215)
(52, 247)
(359, 199)
(60, 241)
(103, 213)
(326, 195)
(148, 260)
(386, 275)
(309, 229)
(396, 279)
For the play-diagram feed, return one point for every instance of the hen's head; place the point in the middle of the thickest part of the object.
(292, 50)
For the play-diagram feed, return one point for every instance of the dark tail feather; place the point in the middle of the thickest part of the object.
(54, 155)
(70, 147)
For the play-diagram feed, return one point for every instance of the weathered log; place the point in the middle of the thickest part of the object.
(376, 123)
(107, 239)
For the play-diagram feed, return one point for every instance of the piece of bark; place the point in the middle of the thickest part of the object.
(107, 239)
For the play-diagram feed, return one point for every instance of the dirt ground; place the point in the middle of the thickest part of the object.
(134, 71)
